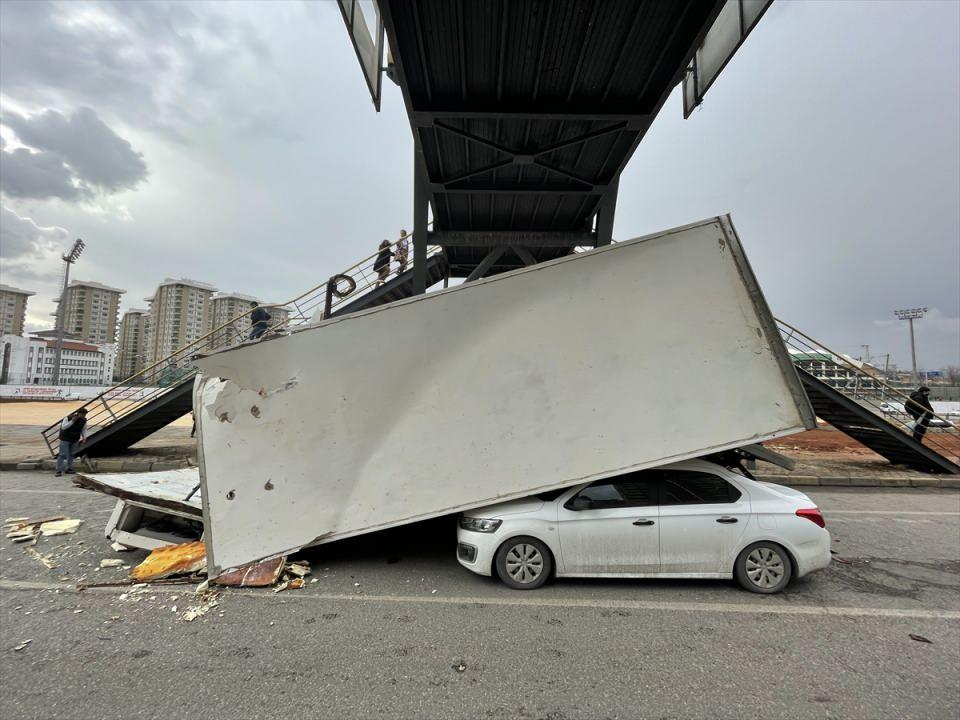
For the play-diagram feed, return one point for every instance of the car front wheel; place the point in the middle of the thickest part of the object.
(763, 567)
(523, 563)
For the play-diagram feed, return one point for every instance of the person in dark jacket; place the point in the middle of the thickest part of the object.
(382, 263)
(260, 319)
(919, 408)
(72, 433)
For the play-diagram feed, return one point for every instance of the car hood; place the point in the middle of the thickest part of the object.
(511, 507)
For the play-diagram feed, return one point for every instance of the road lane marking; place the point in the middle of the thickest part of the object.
(44, 492)
(890, 512)
(568, 603)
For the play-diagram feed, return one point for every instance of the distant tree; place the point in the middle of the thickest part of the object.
(952, 374)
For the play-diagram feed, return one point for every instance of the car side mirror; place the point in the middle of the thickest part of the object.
(580, 503)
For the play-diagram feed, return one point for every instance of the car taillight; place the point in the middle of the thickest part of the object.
(813, 515)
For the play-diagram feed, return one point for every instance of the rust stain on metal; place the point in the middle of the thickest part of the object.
(268, 485)
(182, 559)
(255, 411)
(224, 417)
(260, 574)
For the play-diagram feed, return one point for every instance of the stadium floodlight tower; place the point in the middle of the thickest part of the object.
(69, 258)
(910, 315)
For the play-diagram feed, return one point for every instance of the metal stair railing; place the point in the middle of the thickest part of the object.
(865, 391)
(313, 305)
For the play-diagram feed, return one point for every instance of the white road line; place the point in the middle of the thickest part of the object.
(889, 512)
(44, 492)
(771, 608)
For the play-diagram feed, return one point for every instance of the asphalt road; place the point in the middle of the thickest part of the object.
(392, 617)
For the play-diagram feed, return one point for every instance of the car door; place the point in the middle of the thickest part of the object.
(610, 527)
(702, 517)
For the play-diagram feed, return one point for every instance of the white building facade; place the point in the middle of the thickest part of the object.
(29, 361)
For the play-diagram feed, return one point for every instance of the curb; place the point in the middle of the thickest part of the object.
(951, 482)
(106, 465)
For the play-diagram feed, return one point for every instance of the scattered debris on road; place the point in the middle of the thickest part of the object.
(47, 562)
(20, 646)
(24, 529)
(460, 667)
(208, 601)
(920, 638)
(111, 562)
(67, 526)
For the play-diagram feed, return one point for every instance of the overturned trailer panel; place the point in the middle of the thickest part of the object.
(629, 356)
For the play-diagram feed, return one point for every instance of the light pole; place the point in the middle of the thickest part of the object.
(68, 258)
(911, 315)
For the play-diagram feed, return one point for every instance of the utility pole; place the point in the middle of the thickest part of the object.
(911, 315)
(69, 258)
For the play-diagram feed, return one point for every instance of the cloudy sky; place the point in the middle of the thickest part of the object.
(235, 143)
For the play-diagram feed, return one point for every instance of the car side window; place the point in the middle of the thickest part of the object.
(599, 495)
(688, 487)
(626, 491)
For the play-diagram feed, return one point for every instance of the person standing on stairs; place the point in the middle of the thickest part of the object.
(919, 408)
(72, 433)
(260, 319)
(401, 253)
(382, 264)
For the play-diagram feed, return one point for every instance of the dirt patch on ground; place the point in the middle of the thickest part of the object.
(829, 442)
(46, 413)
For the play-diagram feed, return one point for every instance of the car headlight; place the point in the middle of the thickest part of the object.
(483, 525)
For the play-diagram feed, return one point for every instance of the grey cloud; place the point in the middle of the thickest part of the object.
(162, 66)
(39, 175)
(27, 247)
(96, 154)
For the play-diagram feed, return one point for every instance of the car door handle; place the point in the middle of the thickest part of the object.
(643, 521)
(727, 520)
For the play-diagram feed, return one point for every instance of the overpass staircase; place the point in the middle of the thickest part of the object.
(860, 404)
(148, 401)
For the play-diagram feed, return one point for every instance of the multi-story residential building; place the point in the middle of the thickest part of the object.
(92, 311)
(29, 361)
(132, 349)
(225, 307)
(179, 315)
(13, 309)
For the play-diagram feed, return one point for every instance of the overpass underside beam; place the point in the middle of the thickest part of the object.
(525, 113)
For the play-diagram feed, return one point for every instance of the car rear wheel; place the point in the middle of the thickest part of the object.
(763, 567)
(523, 563)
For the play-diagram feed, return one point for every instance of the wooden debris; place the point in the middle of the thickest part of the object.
(111, 562)
(47, 562)
(260, 574)
(20, 646)
(183, 559)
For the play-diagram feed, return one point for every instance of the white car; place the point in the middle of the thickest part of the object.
(692, 519)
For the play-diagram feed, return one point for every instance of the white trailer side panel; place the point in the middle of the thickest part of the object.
(628, 356)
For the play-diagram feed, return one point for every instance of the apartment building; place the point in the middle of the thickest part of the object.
(179, 315)
(92, 311)
(13, 309)
(225, 307)
(132, 348)
(29, 361)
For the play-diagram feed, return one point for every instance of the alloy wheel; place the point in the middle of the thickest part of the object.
(524, 563)
(765, 567)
